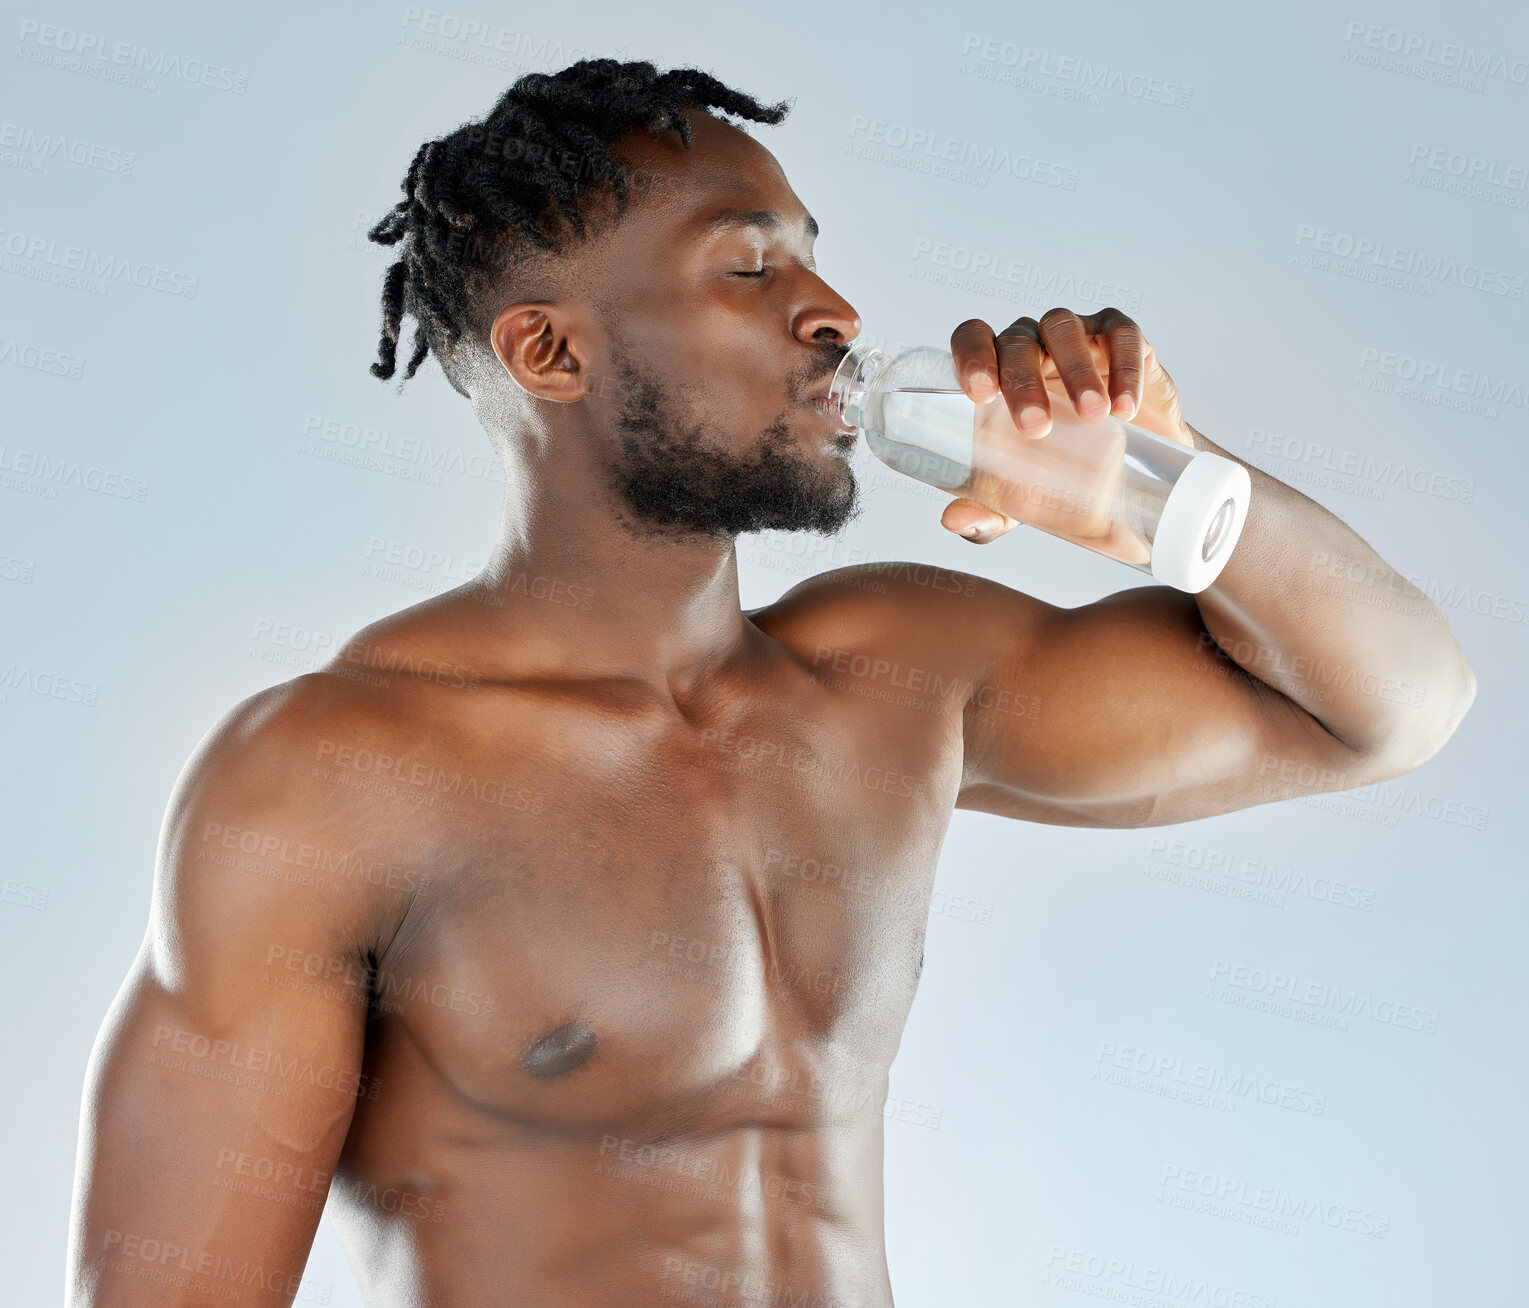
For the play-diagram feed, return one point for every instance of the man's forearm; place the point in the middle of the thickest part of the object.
(1309, 608)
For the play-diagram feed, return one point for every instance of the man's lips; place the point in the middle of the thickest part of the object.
(824, 385)
(830, 410)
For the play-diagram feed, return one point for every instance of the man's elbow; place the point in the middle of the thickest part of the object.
(1425, 727)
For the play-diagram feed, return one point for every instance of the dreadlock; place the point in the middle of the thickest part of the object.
(485, 196)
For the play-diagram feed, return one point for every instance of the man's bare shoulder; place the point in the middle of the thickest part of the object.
(256, 761)
(900, 609)
(254, 840)
(425, 645)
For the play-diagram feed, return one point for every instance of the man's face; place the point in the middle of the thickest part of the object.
(720, 336)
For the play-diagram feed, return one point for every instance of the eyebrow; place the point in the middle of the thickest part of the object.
(766, 219)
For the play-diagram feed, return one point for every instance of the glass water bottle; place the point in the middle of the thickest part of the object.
(1168, 510)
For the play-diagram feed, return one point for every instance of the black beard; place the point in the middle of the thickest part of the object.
(676, 484)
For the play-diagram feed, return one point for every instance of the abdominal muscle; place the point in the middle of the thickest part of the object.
(497, 1213)
(762, 1190)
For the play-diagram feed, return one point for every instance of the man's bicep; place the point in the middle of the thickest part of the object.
(1136, 720)
(225, 1077)
(206, 1144)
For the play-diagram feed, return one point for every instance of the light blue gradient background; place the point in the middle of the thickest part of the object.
(265, 197)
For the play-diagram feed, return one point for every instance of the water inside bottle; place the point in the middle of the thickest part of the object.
(1082, 481)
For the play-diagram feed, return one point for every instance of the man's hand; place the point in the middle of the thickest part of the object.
(1095, 366)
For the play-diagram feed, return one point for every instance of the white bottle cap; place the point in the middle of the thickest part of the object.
(1201, 522)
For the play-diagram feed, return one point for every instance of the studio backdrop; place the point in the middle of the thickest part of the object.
(1271, 1057)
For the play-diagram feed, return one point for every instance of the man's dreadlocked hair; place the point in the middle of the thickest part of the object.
(476, 200)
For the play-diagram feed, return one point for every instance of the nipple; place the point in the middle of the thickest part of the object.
(560, 1051)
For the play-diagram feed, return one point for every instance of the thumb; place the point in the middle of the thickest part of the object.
(976, 522)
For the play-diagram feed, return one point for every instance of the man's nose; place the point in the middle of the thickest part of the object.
(826, 311)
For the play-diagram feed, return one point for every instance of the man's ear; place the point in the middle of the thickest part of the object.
(534, 344)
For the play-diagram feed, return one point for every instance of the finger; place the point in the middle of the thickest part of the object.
(976, 356)
(1066, 341)
(1020, 363)
(976, 522)
(1126, 352)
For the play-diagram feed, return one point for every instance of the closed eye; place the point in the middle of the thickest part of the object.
(753, 272)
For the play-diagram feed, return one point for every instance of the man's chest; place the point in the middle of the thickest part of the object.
(680, 925)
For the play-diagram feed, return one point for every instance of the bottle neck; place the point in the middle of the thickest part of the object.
(853, 381)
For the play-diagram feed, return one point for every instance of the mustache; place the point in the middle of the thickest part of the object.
(820, 372)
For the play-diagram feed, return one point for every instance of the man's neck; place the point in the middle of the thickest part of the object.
(593, 597)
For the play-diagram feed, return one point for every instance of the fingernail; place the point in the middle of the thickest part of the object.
(1032, 417)
(1091, 402)
(971, 533)
(981, 377)
(1123, 405)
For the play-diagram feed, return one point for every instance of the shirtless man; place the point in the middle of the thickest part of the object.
(562, 929)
